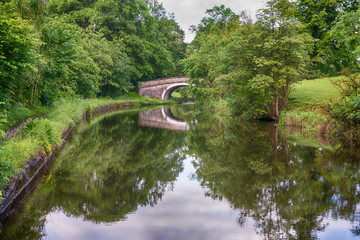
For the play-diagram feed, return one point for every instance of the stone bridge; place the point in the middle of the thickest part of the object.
(162, 118)
(162, 88)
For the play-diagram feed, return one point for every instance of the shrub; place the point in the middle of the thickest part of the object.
(347, 111)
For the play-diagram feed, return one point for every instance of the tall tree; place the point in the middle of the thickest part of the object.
(281, 56)
(17, 55)
(250, 68)
(320, 17)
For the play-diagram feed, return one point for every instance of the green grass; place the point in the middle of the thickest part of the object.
(19, 113)
(306, 108)
(314, 91)
(43, 134)
(176, 95)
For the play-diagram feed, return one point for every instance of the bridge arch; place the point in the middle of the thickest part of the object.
(170, 89)
(162, 118)
(162, 88)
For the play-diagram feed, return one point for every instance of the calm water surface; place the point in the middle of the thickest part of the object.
(177, 173)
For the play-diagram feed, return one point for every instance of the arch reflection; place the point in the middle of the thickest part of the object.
(162, 118)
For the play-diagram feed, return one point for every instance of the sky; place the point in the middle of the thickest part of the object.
(190, 12)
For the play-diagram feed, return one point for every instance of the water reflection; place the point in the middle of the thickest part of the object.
(289, 190)
(123, 178)
(162, 118)
(105, 173)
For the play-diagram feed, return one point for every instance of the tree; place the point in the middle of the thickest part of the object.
(281, 54)
(68, 69)
(152, 41)
(219, 17)
(341, 45)
(17, 56)
(110, 57)
(320, 17)
(250, 68)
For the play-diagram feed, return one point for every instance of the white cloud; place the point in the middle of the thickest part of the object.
(190, 12)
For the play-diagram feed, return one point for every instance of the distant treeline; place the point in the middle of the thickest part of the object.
(87, 48)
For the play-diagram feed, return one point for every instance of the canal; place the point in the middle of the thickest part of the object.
(181, 173)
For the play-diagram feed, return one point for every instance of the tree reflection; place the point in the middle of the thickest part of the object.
(286, 188)
(105, 173)
(113, 166)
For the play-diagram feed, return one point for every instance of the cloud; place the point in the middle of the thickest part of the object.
(190, 12)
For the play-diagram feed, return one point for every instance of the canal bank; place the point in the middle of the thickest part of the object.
(38, 139)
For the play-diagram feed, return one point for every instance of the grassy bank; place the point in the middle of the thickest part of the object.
(44, 133)
(307, 105)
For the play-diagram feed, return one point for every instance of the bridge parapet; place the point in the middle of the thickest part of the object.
(154, 83)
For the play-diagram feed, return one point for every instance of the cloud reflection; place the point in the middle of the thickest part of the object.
(184, 213)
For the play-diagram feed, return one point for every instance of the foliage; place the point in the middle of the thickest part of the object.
(347, 110)
(340, 47)
(17, 55)
(153, 42)
(219, 17)
(328, 22)
(249, 68)
(110, 57)
(58, 49)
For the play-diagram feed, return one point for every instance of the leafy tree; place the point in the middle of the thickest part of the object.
(149, 36)
(248, 69)
(110, 57)
(320, 17)
(341, 45)
(219, 17)
(281, 55)
(17, 56)
(68, 69)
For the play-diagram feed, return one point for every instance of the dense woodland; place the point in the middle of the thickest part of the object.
(56, 49)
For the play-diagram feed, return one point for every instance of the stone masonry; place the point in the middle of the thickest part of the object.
(162, 88)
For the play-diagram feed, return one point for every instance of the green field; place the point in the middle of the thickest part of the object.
(314, 91)
(307, 103)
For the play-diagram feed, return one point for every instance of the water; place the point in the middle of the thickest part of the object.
(180, 174)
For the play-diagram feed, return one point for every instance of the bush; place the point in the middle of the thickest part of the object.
(347, 111)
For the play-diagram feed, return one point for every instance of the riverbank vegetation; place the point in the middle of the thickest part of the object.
(56, 49)
(57, 56)
(41, 135)
(250, 68)
(308, 107)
